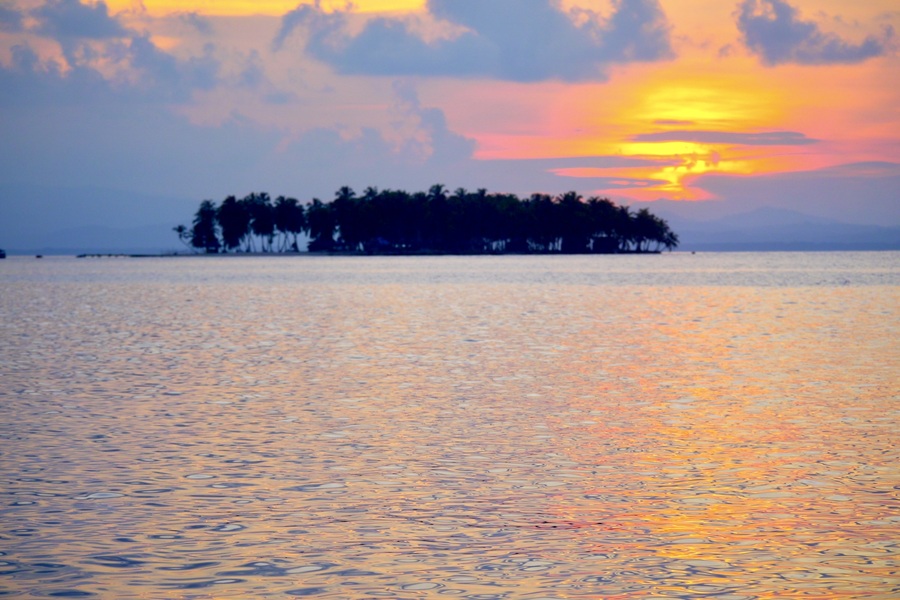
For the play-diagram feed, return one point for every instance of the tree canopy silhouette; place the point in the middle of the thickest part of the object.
(399, 222)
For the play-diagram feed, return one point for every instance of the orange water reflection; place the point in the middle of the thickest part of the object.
(729, 461)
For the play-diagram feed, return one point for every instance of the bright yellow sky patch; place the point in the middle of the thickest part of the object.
(604, 119)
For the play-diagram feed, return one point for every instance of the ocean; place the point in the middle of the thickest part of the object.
(486, 427)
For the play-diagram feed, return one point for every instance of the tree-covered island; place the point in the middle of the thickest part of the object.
(432, 222)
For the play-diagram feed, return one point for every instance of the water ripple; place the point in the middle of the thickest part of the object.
(487, 428)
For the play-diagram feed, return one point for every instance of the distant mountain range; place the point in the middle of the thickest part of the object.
(772, 228)
(45, 220)
(100, 239)
(54, 220)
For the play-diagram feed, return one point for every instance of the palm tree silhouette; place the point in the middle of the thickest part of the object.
(399, 222)
(203, 233)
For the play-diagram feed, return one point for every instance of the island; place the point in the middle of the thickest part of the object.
(432, 222)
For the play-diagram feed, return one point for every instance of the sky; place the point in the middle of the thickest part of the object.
(727, 105)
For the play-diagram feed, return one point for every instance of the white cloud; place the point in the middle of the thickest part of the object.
(514, 40)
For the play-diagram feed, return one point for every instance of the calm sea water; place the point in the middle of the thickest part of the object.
(684, 426)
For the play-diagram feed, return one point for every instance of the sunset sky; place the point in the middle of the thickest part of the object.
(742, 103)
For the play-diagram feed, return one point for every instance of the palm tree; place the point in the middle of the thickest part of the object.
(574, 222)
(203, 234)
(624, 228)
(545, 233)
(603, 215)
(234, 220)
(184, 235)
(348, 218)
(262, 214)
(670, 239)
(290, 220)
(321, 225)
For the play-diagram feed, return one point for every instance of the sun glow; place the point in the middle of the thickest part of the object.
(619, 118)
(678, 101)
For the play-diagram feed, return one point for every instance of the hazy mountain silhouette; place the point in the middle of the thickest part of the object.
(73, 220)
(99, 239)
(772, 228)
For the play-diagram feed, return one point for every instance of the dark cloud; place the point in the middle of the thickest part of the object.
(68, 19)
(10, 20)
(773, 30)
(153, 74)
(384, 47)
(88, 36)
(252, 74)
(766, 138)
(165, 73)
(27, 82)
(516, 40)
(201, 24)
(306, 14)
(637, 31)
(433, 140)
(161, 77)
